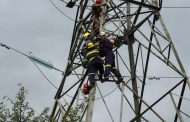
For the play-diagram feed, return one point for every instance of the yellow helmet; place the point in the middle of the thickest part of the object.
(85, 35)
(90, 45)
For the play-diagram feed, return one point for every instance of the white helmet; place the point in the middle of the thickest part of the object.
(102, 33)
(112, 39)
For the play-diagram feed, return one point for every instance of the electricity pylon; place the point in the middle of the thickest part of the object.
(146, 57)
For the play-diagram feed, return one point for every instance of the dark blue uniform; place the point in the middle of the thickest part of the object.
(107, 47)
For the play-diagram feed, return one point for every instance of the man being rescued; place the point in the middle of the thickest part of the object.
(107, 45)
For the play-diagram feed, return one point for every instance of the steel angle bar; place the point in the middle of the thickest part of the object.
(145, 12)
(77, 47)
(57, 115)
(63, 80)
(171, 65)
(160, 34)
(134, 28)
(81, 80)
(61, 107)
(160, 3)
(129, 102)
(75, 40)
(132, 64)
(181, 99)
(169, 51)
(121, 104)
(165, 48)
(73, 68)
(153, 32)
(70, 88)
(83, 114)
(78, 29)
(124, 63)
(117, 14)
(58, 94)
(133, 24)
(152, 105)
(174, 50)
(142, 61)
(74, 97)
(177, 111)
(74, 28)
(85, 19)
(76, 74)
(146, 66)
(185, 114)
(116, 26)
(82, 8)
(137, 57)
(158, 51)
(127, 67)
(137, 16)
(52, 117)
(156, 30)
(144, 103)
(129, 15)
(143, 4)
(116, 6)
(105, 103)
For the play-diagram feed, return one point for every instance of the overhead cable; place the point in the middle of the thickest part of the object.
(61, 11)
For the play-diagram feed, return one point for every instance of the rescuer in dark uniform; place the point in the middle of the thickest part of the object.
(95, 63)
(107, 44)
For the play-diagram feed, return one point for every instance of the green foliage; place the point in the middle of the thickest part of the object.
(4, 112)
(19, 110)
(72, 115)
(43, 117)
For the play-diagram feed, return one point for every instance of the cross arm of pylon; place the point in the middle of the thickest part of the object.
(143, 4)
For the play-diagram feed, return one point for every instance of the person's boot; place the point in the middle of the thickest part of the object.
(100, 77)
(106, 78)
(120, 79)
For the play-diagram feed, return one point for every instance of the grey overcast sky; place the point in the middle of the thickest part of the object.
(37, 26)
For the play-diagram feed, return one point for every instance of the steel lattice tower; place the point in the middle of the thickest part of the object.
(146, 53)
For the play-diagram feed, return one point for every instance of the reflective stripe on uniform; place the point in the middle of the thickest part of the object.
(84, 47)
(91, 52)
(114, 68)
(85, 60)
(91, 59)
(108, 65)
(91, 74)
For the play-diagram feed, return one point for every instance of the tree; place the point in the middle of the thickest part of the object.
(4, 112)
(43, 117)
(20, 110)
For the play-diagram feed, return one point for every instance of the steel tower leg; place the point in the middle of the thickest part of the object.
(132, 65)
